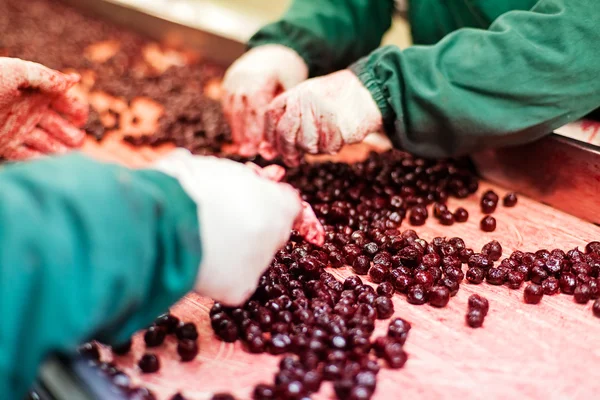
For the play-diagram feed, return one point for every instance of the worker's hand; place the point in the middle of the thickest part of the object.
(244, 219)
(249, 86)
(320, 116)
(37, 115)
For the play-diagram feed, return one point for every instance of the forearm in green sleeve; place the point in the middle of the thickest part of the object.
(529, 73)
(329, 34)
(87, 250)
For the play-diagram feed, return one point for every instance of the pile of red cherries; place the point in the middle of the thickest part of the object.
(324, 327)
(301, 309)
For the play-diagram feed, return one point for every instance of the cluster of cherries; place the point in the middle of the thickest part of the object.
(324, 326)
(489, 202)
(154, 336)
(381, 191)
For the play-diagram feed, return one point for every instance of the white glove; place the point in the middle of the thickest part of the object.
(251, 83)
(244, 219)
(320, 116)
(37, 114)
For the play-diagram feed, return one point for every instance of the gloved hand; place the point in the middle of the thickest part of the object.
(320, 116)
(244, 219)
(37, 115)
(249, 86)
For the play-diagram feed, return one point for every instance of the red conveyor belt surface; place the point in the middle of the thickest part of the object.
(546, 351)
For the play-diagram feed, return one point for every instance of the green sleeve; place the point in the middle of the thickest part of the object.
(87, 250)
(529, 73)
(329, 34)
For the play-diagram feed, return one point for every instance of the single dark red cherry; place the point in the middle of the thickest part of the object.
(336, 259)
(351, 251)
(170, 322)
(465, 254)
(256, 344)
(384, 307)
(227, 331)
(187, 349)
(438, 296)
(361, 265)
(378, 273)
(398, 329)
(402, 283)
(596, 308)
(351, 282)
(567, 282)
(594, 285)
(488, 206)
(475, 318)
(431, 260)
(367, 379)
(538, 274)
(551, 286)
(533, 293)
(582, 293)
(279, 344)
(417, 219)
(446, 218)
(592, 247)
(154, 336)
(424, 278)
(461, 215)
(411, 256)
(438, 209)
(496, 276)
(510, 200)
(416, 295)
(385, 289)
(491, 195)
(488, 224)
(492, 250)
(149, 363)
(187, 331)
(371, 249)
(451, 284)
(477, 302)
(480, 261)
(394, 355)
(475, 275)
(514, 279)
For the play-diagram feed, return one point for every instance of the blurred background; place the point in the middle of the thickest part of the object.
(239, 19)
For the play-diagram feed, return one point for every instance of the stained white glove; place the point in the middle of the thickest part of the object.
(249, 86)
(37, 114)
(320, 116)
(244, 219)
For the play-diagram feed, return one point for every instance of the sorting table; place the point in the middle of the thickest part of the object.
(546, 351)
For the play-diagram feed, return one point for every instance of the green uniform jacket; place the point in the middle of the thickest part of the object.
(483, 73)
(87, 250)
